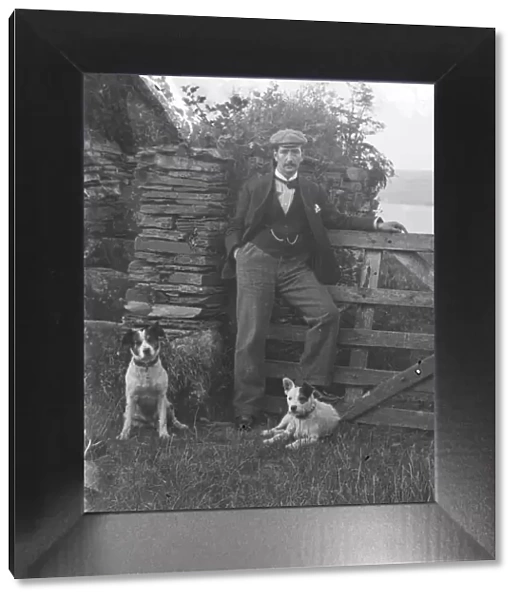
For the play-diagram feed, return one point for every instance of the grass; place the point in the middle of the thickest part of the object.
(223, 469)
(215, 467)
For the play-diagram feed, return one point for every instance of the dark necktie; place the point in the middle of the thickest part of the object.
(291, 185)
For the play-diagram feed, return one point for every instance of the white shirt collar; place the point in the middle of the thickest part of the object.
(283, 178)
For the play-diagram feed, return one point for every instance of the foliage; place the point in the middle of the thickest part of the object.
(337, 128)
(114, 125)
(178, 113)
(121, 109)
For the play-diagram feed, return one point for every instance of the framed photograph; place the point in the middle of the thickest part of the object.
(258, 338)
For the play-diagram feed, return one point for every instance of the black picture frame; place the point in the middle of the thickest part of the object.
(49, 534)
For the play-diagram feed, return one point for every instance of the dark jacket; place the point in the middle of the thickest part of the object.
(321, 214)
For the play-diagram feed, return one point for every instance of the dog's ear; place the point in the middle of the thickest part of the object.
(307, 390)
(157, 329)
(288, 384)
(127, 339)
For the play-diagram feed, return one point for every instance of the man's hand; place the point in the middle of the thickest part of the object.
(391, 227)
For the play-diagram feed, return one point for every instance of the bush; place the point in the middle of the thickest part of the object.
(336, 128)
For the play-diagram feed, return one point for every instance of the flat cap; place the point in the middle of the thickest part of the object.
(288, 137)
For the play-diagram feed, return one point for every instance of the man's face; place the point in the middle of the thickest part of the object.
(288, 159)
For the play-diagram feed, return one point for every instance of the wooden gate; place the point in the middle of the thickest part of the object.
(367, 390)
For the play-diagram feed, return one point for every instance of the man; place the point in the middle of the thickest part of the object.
(277, 241)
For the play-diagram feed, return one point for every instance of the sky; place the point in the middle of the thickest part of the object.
(406, 109)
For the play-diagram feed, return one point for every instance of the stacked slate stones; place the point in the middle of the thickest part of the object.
(348, 187)
(184, 210)
(352, 192)
(108, 171)
(110, 227)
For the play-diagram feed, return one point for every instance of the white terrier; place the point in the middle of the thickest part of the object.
(307, 419)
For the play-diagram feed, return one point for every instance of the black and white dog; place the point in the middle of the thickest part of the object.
(147, 383)
(307, 419)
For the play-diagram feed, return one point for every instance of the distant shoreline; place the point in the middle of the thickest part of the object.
(409, 187)
(419, 201)
(417, 218)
